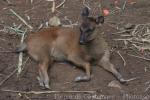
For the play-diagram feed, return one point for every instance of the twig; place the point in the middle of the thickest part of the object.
(27, 97)
(62, 3)
(12, 73)
(141, 47)
(46, 92)
(16, 30)
(128, 39)
(136, 27)
(6, 51)
(148, 82)
(114, 11)
(124, 62)
(147, 88)
(84, 3)
(133, 32)
(125, 35)
(29, 26)
(53, 6)
(131, 79)
(123, 31)
(124, 5)
(71, 25)
(139, 57)
(20, 56)
(113, 26)
(67, 19)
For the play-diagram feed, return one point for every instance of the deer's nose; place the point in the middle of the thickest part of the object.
(82, 39)
(82, 42)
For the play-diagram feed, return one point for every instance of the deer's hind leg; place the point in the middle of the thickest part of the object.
(44, 62)
(107, 65)
(43, 74)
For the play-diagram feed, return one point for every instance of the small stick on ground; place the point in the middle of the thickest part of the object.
(84, 3)
(29, 26)
(19, 67)
(131, 79)
(61, 4)
(124, 62)
(147, 83)
(123, 31)
(136, 27)
(46, 92)
(147, 88)
(139, 57)
(124, 5)
(53, 6)
(11, 74)
(6, 51)
(127, 39)
(71, 25)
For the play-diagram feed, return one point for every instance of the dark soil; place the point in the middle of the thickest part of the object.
(62, 75)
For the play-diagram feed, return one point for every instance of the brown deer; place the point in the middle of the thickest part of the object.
(62, 44)
(95, 44)
(55, 44)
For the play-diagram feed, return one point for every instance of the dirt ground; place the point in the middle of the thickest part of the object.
(62, 75)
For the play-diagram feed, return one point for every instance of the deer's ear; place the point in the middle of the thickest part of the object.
(99, 19)
(85, 12)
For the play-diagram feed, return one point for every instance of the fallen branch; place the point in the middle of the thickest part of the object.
(46, 92)
(29, 26)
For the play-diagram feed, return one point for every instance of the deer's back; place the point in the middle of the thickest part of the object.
(53, 41)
